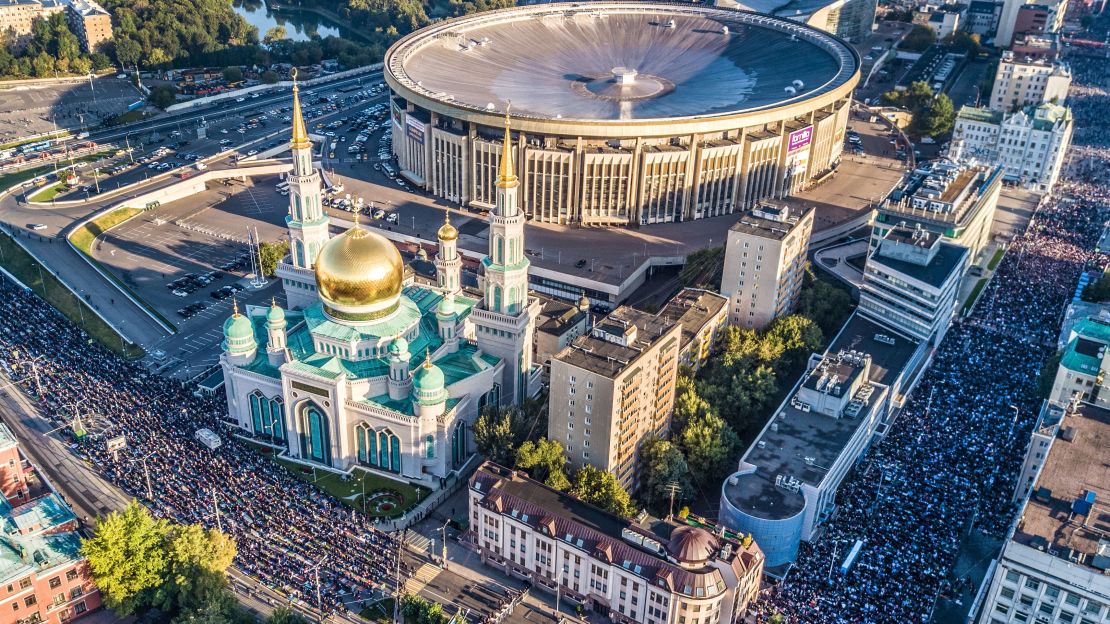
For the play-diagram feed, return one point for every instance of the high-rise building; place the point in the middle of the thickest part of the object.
(954, 200)
(765, 255)
(17, 16)
(1029, 144)
(701, 314)
(90, 22)
(910, 283)
(647, 572)
(1055, 561)
(46, 577)
(1021, 82)
(613, 389)
(308, 221)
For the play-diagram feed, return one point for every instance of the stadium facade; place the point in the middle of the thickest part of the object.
(625, 113)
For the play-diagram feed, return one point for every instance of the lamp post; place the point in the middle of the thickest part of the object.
(146, 473)
(34, 368)
(443, 531)
(319, 604)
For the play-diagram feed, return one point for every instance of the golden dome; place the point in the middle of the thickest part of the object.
(359, 275)
(447, 232)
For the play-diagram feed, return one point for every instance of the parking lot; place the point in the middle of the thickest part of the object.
(29, 110)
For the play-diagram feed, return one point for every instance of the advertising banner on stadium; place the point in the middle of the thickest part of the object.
(414, 128)
(799, 139)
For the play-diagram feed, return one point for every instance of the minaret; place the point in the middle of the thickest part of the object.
(275, 334)
(307, 221)
(239, 343)
(448, 262)
(511, 315)
(400, 383)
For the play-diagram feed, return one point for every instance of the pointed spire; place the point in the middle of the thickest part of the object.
(427, 357)
(507, 179)
(234, 306)
(299, 139)
(356, 220)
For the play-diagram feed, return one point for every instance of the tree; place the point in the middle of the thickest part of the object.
(824, 302)
(545, 460)
(269, 77)
(493, 434)
(270, 254)
(600, 488)
(710, 444)
(687, 403)
(703, 268)
(661, 465)
(285, 615)
(127, 52)
(127, 556)
(420, 611)
(275, 34)
(162, 96)
(197, 567)
(919, 39)
(938, 119)
(797, 337)
(965, 41)
(233, 74)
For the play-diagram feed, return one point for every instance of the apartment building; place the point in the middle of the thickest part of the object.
(43, 577)
(910, 283)
(1084, 365)
(701, 314)
(1029, 144)
(90, 22)
(649, 572)
(559, 322)
(1055, 563)
(613, 389)
(17, 16)
(765, 255)
(1024, 81)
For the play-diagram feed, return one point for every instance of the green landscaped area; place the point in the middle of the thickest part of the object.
(49, 192)
(27, 270)
(381, 611)
(996, 258)
(973, 296)
(18, 177)
(392, 497)
(84, 236)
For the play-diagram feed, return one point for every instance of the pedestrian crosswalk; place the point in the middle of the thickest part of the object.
(417, 542)
(420, 579)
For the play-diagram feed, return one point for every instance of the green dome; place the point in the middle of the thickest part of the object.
(276, 314)
(428, 378)
(238, 327)
(446, 306)
(399, 345)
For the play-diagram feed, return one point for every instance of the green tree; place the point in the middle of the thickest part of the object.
(420, 611)
(938, 119)
(270, 253)
(797, 337)
(967, 42)
(286, 615)
(661, 465)
(545, 460)
(127, 52)
(127, 557)
(197, 565)
(687, 403)
(162, 96)
(600, 488)
(43, 65)
(233, 74)
(919, 39)
(703, 268)
(275, 34)
(824, 302)
(81, 65)
(493, 434)
(269, 77)
(711, 445)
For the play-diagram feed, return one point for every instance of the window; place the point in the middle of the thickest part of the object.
(55, 582)
(71, 575)
(1008, 593)
(30, 601)
(24, 583)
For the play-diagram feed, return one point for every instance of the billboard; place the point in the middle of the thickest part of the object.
(799, 139)
(414, 128)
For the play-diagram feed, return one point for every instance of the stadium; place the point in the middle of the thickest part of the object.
(623, 113)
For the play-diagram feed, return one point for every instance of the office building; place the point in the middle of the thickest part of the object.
(943, 20)
(647, 572)
(43, 576)
(17, 16)
(957, 201)
(1044, 47)
(1022, 81)
(1029, 144)
(1054, 563)
(701, 314)
(765, 255)
(982, 17)
(90, 22)
(910, 283)
(613, 389)
(787, 480)
(1084, 364)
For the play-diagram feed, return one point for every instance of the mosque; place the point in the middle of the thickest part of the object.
(366, 368)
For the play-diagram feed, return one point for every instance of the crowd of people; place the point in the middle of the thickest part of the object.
(950, 462)
(286, 530)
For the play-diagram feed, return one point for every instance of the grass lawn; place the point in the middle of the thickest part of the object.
(11, 179)
(84, 236)
(996, 258)
(350, 491)
(381, 611)
(20, 264)
(973, 296)
(48, 193)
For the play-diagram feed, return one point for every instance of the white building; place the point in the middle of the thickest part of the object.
(1053, 567)
(1023, 81)
(910, 283)
(765, 255)
(1029, 144)
(657, 572)
(372, 372)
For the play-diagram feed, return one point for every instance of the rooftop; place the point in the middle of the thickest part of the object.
(949, 258)
(7, 438)
(1057, 517)
(558, 317)
(692, 309)
(616, 341)
(804, 445)
(980, 114)
(770, 222)
(1084, 350)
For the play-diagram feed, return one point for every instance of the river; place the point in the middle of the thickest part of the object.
(299, 25)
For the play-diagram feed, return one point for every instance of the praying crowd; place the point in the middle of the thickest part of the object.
(284, 528)
(949, 464)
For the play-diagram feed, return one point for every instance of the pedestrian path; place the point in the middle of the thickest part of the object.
(418, 581)
(418, 542)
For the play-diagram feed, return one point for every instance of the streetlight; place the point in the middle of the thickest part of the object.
(443, 530)
(34, 368)
(146, 473)
(319, 604)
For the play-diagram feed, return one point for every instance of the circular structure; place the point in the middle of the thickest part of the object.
(692, 545)
(359, 275)
(624, 113)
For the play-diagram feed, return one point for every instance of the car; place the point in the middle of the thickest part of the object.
(181, 293)
(391, 217)
(378, 213)
(38, 227)
(240, 99)
(252, 152)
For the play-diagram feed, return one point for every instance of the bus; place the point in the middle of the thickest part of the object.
(284, 186)
(349, 88)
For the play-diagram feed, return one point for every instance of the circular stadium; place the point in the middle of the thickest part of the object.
(623, 113)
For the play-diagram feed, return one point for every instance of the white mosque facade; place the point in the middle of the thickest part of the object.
(366, 370)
